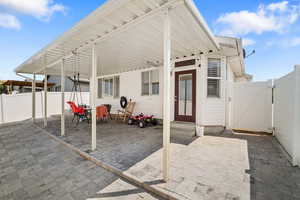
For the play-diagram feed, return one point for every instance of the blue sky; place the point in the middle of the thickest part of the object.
(270, 27)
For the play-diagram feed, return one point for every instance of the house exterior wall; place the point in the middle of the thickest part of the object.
(212, 111)
(130, 87)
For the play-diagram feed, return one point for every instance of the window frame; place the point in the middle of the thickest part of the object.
(218, 78)
(113, 88)
(150, 92)
(110, 80)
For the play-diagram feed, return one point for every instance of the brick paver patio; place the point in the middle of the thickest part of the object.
(33, 166)
(217, 166)
(118, 144)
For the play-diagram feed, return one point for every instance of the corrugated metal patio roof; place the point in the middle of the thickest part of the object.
(129, 36)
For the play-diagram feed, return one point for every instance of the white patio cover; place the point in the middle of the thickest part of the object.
(129, 36)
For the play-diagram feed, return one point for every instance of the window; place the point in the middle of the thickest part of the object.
(213, 78)
(100, 88)
(155, 82)
(145, 83)
(150, 82)
(109, 87)
(116, 87)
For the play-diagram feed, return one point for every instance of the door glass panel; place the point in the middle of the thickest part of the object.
(185, 95)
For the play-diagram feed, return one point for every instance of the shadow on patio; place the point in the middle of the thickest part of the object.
(271, 174)
(217, 166)
(118, 144)
(33, 166)
(225, 166)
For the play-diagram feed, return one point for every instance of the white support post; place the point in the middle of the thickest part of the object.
(199, 99)
(93, 97)
(62, 97)
(45, 99)
(167, 96)
(33, 97)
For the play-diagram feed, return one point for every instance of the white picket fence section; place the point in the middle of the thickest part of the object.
(18, 107)
(287, 113)
(251, 106)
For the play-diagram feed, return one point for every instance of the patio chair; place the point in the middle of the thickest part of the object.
(102, 113)
(127, 112)
(108, 106)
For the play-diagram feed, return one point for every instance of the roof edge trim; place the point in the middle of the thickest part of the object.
(199, 18)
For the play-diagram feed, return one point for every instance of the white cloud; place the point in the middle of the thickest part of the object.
(295, 42)
(9, 21)
(285, 43)
(248, 42)
(275, 17)
(280, 6)
(41, 9)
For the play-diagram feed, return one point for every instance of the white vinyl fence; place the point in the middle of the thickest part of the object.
(251, 106)
(287, 113)
(18, 107)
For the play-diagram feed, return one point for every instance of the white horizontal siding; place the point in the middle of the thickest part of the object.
(214, 109)
(130, 87)
(214, 112)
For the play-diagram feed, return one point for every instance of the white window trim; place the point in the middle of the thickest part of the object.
(113, 86)
(103, 87)
(150, 83)
(220, 78)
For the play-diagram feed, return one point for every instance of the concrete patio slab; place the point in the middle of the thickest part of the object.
(225, 166)
(208, 168)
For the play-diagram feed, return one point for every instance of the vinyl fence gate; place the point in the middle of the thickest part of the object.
(250, 106)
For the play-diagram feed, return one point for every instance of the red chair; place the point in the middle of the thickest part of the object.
(78, 111)
(102, 112)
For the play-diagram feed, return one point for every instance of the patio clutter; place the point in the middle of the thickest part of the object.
(76, 95)
(81, 113)
(128, 108)
(108, 106)
(142, 120)
(102, 113)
